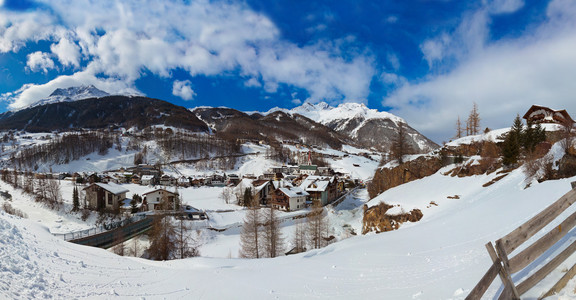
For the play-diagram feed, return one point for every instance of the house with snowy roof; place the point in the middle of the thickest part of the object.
(321, 189)
(105, 196)
(541, 114)
(161, 199)
(148, 180)
(289, 198)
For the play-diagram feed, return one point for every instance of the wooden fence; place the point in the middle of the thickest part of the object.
(504, 265)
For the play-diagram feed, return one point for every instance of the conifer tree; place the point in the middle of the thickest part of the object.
(75, 199)
(513, 143)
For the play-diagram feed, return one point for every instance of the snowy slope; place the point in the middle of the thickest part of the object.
(440, 257)
(72, 94)
(369, 127)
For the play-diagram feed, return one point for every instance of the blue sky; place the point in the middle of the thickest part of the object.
(427, 61)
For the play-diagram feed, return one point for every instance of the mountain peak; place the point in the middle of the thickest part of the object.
(73, 93)
(83, 91)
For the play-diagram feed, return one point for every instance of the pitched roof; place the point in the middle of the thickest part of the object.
(316, 183)
(169, 190)
(294, 192)
(111, 187)
(549, 115)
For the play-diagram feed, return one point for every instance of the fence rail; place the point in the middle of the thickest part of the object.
(504, 266)
(100, 229)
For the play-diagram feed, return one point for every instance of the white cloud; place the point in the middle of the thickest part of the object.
(505, 6)
(122, 40)
(183, 89)
(67, 52)
(504, 78)
(39, 61)
(30, 93)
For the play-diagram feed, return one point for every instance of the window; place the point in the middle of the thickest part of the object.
(109, 199)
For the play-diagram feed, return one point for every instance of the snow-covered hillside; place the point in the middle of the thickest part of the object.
(324, 113)
(72, 94)
(368, 127)
(440, 257)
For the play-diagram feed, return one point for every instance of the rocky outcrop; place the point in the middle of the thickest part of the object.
(377, 220)
(387, 178)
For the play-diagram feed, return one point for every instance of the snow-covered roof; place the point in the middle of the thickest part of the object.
(167, 189)
(112, 188)
(316, 183)
(281, 183)
(294, 192)
(147, 177)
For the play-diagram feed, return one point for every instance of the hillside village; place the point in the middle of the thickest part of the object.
(296, 191)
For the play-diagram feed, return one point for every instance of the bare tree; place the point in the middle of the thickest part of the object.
(317, 227)
(272, 237)
(134, 248)
(400, 146)
(162, 239)
(184, 243)
(250, 241)
(299, 240)
(473, 122)
(459, 129)
(227, 194)
(120, 248)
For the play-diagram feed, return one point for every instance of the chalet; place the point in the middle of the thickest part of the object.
(184, 181)
(136, 179)
(159, 199)
(233, 179)
(262, 190)
(216, 180)
(197, 181)
(104, 196)
(322, 189)
(107, 179)
(289, 198)
(167, 180)
(541, 114)
(147, 170)
(148, 180)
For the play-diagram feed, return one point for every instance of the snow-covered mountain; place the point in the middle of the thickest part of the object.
(369, 127)
(72, 94)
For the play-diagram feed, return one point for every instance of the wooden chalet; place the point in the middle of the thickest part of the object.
(104, 196)
(541, 114)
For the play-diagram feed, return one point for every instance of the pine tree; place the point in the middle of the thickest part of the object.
(533, 135)
(75, 199)
(273, 239)
(513, 143)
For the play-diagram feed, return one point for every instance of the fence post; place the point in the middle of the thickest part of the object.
(506, 269)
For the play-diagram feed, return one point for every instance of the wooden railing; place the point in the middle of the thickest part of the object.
(505, 265)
